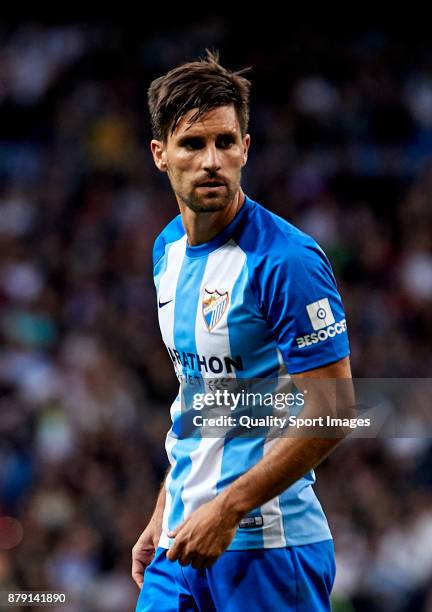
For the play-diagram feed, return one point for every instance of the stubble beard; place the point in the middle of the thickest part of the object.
(210, 204)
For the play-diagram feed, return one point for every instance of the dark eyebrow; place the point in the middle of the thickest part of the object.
(190, 137)
(229, 134)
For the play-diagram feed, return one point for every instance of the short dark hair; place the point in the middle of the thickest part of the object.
(203, 84)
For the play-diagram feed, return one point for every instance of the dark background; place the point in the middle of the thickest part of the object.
(341, 126)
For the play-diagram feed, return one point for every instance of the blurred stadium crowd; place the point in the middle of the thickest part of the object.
(341, 146)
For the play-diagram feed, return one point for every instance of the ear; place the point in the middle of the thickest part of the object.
(158, 150)
(246, 144)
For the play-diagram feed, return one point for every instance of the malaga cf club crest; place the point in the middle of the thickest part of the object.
(214, 305)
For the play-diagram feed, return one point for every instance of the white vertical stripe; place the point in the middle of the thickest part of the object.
(222, 270)
(169, 444)
(167, 288)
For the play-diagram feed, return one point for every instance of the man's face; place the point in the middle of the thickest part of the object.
(204, 159)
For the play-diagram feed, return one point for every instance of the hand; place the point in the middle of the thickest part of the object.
(203, 536)
(144, 550)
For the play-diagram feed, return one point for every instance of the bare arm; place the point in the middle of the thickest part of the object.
(144, 550)
(160, 505)
(289, 459)
(209, 530)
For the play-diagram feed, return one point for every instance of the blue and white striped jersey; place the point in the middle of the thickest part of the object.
(257, 301)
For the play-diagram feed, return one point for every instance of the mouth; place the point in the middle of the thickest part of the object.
(211, 185)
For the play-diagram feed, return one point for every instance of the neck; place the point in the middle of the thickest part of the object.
(202, 227)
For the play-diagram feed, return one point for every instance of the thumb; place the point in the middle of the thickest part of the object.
(174, 532)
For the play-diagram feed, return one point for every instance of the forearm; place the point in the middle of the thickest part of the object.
(160, 503)
(208, 531)
(144, 550)
(289, 460)
(292, 457)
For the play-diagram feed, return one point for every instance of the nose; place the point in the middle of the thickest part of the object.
(212, 162)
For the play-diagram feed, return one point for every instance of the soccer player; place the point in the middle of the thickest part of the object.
(241, 293)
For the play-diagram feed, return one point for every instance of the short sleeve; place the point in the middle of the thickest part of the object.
(303, 307)
(172, 232)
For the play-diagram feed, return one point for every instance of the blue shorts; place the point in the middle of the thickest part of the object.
(295, 578)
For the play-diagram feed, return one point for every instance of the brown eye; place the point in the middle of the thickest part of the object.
(192, 144)
(225, 142)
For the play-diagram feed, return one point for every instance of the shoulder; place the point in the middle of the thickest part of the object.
(270, 240)
(171, 233)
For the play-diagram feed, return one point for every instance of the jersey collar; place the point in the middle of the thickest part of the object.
(207, 247)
